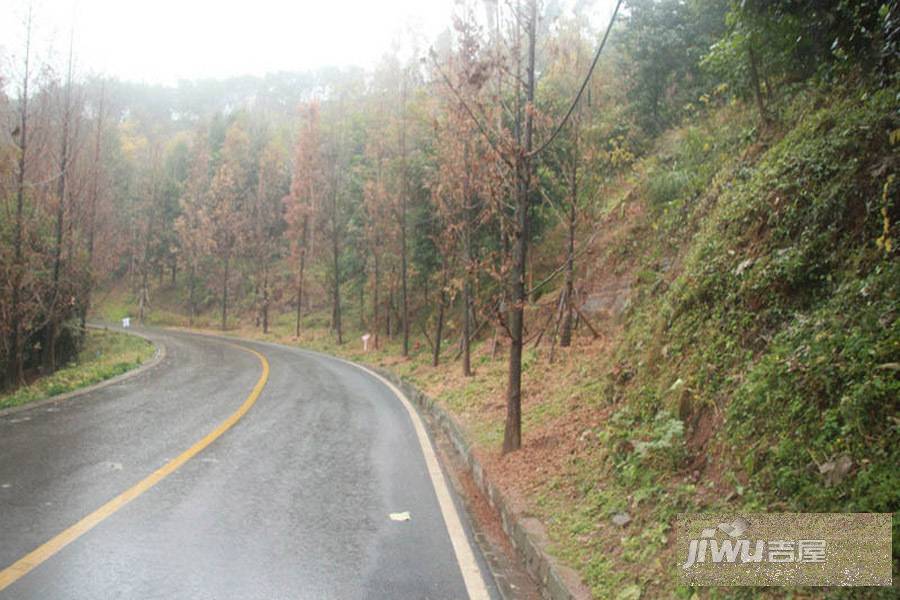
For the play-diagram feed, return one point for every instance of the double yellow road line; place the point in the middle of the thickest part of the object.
(24, 565)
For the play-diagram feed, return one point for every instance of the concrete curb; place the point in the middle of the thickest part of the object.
(155, 360)
(527, 535)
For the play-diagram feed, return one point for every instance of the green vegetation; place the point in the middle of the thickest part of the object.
(771, 357)
(105, 354)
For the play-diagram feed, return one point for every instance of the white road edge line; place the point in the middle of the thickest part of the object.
(465, 558)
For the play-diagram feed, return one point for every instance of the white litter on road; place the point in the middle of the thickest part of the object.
(400, 516)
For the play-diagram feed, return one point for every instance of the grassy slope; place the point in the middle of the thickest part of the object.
(767, 352)
(760, 343)
(105, 355)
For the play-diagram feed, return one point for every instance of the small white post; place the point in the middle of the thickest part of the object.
(365, 341)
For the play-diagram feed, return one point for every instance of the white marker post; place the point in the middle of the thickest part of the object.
(365, 341)
(126, 322)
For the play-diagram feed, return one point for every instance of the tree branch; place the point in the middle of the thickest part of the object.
(468, 109)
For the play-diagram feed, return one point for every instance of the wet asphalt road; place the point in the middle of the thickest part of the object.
(292, 502)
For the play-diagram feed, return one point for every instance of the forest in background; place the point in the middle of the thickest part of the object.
(437, 203)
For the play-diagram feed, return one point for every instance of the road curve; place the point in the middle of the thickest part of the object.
(292, 502)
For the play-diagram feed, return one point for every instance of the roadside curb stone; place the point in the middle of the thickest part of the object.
(526, 534)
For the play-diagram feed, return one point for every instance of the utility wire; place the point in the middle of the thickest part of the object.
(587, 78)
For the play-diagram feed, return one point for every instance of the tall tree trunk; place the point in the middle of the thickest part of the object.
(375, 307)
(145, 261)
(439, 330)
(389, 302)
(191, 302)
(16, 367)
(300, 292)
(565, 339)
(303, 235)
(467, 327)
(512, 435)
(225, 292)
(398, 321)
(362, 302)
(257, 304)
(92, 212)
(436, 357)
(265, 301)
(404, 193)
(336, 290)
(504, 294)
(143, 295)
(336, 319)
(467, 272)
(403, 279)
(55, 309)
(754, 82)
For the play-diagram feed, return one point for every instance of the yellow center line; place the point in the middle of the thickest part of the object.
(21, 567)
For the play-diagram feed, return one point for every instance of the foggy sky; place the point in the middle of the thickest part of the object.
(162, 41)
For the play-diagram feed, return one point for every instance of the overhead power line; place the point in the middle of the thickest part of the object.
(584, 84)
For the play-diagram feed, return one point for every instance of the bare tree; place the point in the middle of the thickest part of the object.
(302, 204)
(16, 374)
(65, 159)
(93, 198)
